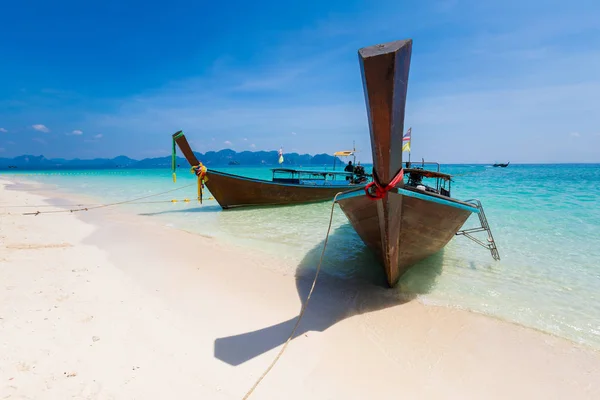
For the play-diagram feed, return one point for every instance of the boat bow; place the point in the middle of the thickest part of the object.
(401, 223)
(385, 70)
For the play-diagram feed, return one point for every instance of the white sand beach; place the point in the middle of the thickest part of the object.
(107, 305)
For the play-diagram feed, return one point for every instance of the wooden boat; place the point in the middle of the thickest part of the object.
(501, 165)
(287, 187)
(402, 223)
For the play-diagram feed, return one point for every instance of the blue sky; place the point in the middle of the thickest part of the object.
(489, 81)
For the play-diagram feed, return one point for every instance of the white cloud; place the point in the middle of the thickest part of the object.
(253, 145)
(540, 117)
(98, 136)
(77, 132)
(41, 128)
(530, 90)
(575, 134)
(3, 130)
(282, 108)
(227, 142)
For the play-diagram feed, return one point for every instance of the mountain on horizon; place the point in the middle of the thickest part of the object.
(210, 158)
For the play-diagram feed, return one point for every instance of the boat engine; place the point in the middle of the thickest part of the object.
(359, 174)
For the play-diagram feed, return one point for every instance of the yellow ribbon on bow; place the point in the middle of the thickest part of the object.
(200, 171)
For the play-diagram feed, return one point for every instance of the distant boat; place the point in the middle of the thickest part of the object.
(287, 186)
(12, 167)
(501, 165)
(402, 223)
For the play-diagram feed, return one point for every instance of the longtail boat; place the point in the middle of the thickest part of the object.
(287, 186)
(402, 222)
(503, 165)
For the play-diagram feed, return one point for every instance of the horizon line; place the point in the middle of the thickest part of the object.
(304, 154)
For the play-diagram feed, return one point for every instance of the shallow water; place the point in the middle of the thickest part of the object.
(545, 219)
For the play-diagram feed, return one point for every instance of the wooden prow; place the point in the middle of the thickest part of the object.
(184, 146)
(385, 69)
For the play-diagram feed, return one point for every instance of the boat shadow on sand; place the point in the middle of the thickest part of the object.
(334, 299)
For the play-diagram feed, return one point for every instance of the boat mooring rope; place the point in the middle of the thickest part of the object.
(302, 310)
(98, 204)
(94, 207)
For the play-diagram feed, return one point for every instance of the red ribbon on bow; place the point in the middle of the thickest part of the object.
(380, 191)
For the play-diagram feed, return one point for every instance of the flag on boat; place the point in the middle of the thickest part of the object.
(280, 155)
(406, 140)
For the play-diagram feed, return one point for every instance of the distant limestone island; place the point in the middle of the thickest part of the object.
(225, 157)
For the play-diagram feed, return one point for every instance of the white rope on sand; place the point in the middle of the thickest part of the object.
(302, 310)
(131, 201)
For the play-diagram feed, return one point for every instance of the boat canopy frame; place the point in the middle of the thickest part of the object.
(443, 182)
(345, 153)
(294, 176)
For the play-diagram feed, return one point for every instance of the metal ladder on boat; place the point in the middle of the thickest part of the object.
(484, 226)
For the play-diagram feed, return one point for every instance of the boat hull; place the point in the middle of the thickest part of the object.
(232, 191)
(405, 226)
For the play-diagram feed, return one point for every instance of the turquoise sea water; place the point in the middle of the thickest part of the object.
(545, 219)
